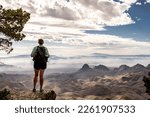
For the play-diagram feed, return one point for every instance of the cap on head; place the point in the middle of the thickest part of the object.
(40, 41)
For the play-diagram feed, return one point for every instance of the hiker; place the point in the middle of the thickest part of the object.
(40, 56)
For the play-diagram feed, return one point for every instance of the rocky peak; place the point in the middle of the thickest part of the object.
(148, 66)
(101, 68)
(138, 67)
(85, 67)
(123, 68)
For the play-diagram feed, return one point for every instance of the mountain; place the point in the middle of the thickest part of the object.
(101, 68)
(126, 83)
(137, 68)
(86, 83)
(122, 68)
(85, 68)
(148, 66)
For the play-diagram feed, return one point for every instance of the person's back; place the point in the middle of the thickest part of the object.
(40, 55)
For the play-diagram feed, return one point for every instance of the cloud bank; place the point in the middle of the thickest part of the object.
(100, 12)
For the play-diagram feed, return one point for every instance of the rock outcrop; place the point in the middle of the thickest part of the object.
(6, 94)
(85, 68)
(147, 84)
(123, 68)
(101, 68)
(137, 68)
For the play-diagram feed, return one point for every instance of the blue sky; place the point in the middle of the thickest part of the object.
(140, 30)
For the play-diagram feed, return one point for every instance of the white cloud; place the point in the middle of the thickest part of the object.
(148, 1)
(138, 3)
(130, 2)
(115, 45)
(88, 44)
(98, 12)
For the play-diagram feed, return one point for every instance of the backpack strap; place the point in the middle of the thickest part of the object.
(40, 51)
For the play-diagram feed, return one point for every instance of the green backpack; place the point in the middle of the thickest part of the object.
(40, 55)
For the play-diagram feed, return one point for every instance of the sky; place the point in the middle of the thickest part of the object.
(80, 29)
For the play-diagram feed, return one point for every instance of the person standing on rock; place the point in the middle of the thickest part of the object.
(40, 56)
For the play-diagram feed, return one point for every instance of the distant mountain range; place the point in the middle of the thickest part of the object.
(94, 55)
(4, 65)
(106, 70)
(102, 82)
(98, 82)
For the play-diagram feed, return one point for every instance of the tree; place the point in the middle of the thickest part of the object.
(11, 25)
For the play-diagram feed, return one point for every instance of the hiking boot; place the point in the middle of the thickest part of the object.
(41, 90)
(34, 90)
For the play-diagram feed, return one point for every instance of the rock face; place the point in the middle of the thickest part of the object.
(51, 95)
(123, 68)
(127, 69)
(126, 78)
(147, 84)
(85, 68)
(4, 94)
(148, 66)
(101, 68)
(137, 67)
(26, 95)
